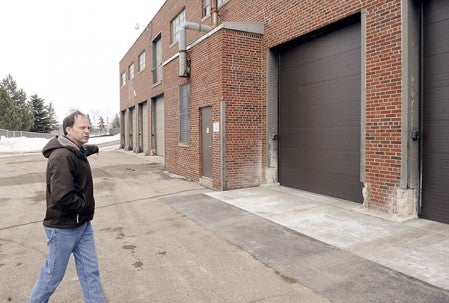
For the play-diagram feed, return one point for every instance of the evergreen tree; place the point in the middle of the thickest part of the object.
(22, 107)
(9, 118)
(39, 114)
(44, 116)
(52, 122)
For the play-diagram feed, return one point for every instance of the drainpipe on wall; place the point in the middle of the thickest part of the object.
(184, 69)
(214, 13)
(223, 145)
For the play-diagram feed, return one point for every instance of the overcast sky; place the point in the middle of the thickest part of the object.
(68, 52)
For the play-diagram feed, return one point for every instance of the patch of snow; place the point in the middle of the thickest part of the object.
(22, 145)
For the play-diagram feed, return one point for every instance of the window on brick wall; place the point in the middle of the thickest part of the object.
(175, 26)
(131, 71)
(157, 60)
(221, 2)
(142, 61)
(123, 79)
(206, 7)
(184, 113)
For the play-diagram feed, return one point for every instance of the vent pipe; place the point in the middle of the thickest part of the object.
(184, 69)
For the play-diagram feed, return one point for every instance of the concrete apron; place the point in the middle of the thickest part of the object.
(418, 248)
(358, 258)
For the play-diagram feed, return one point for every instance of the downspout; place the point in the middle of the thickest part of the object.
(214, 13)
(184, 69)
(223, 145)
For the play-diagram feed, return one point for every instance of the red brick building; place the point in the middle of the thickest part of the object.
(346, 98)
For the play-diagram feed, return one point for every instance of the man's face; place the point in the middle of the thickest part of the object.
(80, 131)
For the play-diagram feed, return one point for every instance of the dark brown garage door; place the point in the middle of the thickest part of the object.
(435, 148)
(319, 114)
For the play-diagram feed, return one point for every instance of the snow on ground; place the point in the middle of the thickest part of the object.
(24, 145)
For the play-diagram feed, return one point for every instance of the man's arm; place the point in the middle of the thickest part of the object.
(91, 149)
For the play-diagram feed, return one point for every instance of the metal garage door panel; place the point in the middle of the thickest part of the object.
(160, 127)
(319, 108)
(435, 170)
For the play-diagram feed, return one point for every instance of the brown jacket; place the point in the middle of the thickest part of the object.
(70, 198)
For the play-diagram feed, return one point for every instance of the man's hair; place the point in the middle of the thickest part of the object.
(69, 121)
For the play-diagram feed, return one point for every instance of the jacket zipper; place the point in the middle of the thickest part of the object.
(77, 218)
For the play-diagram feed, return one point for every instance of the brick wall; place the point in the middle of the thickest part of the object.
(206, 90)
(185, 159)
(383, 103)
(226, 67)
(244, 94)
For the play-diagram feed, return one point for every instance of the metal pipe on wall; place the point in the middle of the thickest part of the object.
(183, 68)
(214, 12)
(223, 145)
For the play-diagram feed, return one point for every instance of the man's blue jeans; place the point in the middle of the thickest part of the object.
(62, 242)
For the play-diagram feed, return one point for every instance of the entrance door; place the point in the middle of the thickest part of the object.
(435, 111)
(158, 129)
(206, 141)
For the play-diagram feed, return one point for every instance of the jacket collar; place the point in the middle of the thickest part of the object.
(80, 151)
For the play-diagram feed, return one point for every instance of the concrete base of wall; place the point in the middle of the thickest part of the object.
(404, 206)
(206, 182)
(401, 207)
(271, 175)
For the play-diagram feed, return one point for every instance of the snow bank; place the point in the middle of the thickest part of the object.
(35, 145)
(21, 145)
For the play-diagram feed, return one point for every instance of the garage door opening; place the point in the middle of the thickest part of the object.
(320, 112)
(435, 109)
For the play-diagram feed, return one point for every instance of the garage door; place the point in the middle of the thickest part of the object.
(319, 114)
(435, 111)
(158, 127)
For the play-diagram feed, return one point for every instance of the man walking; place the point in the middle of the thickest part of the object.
(70, 209)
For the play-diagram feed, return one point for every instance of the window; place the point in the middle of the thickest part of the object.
(123, 77)
(142, 61)
(206, 8)
(157, 60)
(131, 71)
(184, 113)
(175, 26)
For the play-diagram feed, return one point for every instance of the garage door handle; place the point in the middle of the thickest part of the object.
(416, 135)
